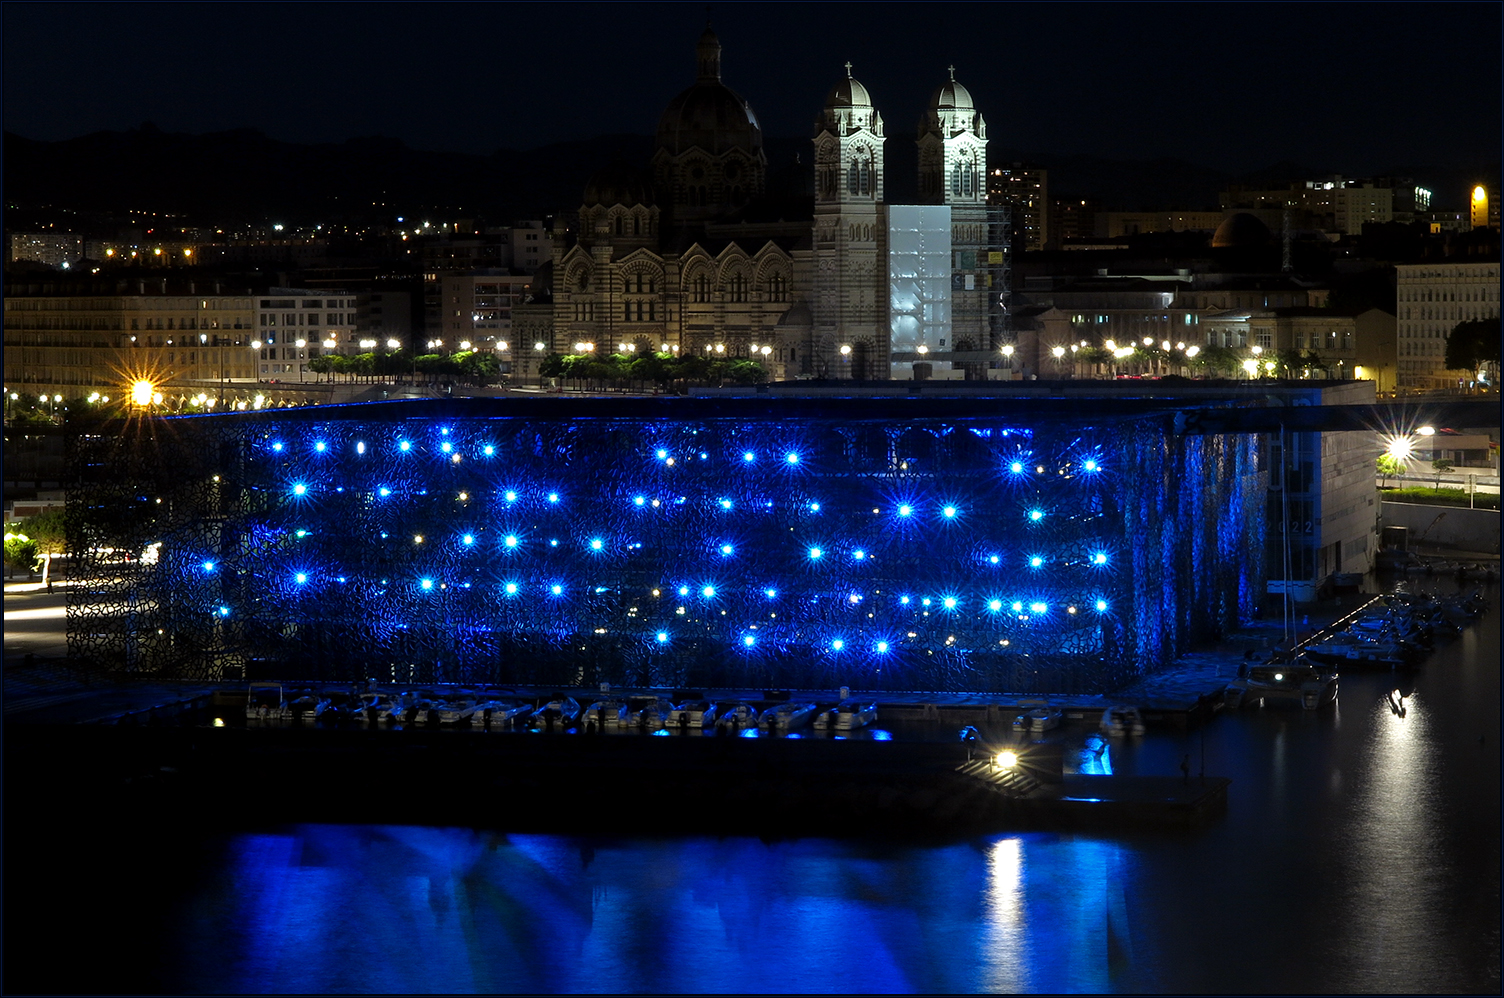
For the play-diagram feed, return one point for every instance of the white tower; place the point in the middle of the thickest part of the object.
(953, 172)
(952, 149)
(850, 306)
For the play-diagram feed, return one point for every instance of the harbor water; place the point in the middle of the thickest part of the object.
(1360, 852)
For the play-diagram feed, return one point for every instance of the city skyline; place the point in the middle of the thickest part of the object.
(1154, 81)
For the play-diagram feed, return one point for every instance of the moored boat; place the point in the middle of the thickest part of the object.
(848, 715)
(736, 717)
(787, 716)
(1120, 719)
(696, 714)
(556, 714)
(1312, 688)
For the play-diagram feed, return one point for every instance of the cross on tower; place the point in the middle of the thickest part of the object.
(848, 69)
(952, 73)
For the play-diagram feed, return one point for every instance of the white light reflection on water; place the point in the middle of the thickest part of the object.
(1396, 847)
(1051, 905)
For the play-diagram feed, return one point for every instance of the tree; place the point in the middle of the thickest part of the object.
(20, 551)
(1389, 467)
(1472, 344)
(49, 532)
(1441, 466)
(320, 365)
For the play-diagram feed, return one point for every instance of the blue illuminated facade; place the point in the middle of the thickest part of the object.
(682, 546)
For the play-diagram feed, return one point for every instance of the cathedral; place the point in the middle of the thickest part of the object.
(693, 255)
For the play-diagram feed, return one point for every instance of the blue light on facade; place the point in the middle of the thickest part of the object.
(426, 583)
(301, 578)
(960, 469)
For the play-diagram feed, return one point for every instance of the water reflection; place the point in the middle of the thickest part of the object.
(1360, 853)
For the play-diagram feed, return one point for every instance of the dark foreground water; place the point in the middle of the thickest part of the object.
(1360, 852)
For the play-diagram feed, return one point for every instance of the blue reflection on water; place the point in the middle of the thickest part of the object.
(323, 908)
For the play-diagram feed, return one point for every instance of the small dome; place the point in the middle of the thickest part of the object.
(619, 184)
(541, 288)
(798, 315)
(1240, 231)
(952, 96)
(848, 93)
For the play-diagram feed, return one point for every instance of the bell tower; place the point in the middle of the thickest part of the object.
(849, 306)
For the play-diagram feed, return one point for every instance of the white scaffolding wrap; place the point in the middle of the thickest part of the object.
(919, 269)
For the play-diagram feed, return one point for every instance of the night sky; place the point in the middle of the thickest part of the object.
(1352, 88)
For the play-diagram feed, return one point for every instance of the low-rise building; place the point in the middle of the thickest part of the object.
(73, 340)
(1433, 297)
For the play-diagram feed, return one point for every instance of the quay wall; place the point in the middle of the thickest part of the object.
(1448, 526)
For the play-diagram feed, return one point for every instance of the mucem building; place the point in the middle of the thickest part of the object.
(896, 543)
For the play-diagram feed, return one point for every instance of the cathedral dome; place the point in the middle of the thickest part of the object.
(619, 184)
(952, 97)
(1240, 231)
(848, 93)
(709, 115)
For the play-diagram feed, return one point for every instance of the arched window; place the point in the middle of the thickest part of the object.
(636, 225)
(866, 178)
(854, 180)
(955, 181)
